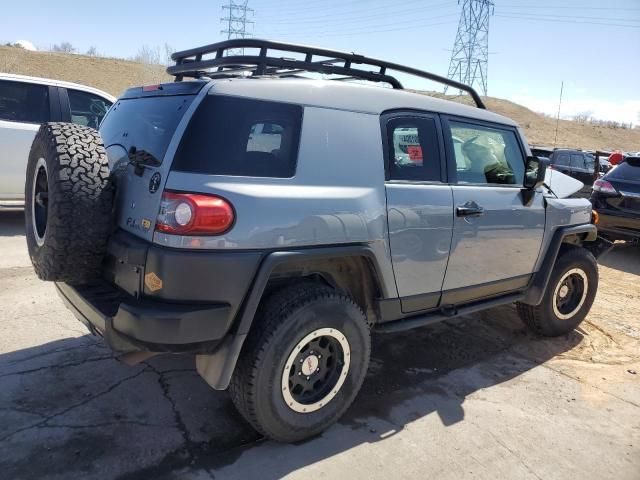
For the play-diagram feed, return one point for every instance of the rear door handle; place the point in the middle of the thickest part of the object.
(469, 210)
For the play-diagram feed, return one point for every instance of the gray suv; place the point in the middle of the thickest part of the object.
(266, 223)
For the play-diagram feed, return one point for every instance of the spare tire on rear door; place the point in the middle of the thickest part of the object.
(68, 203)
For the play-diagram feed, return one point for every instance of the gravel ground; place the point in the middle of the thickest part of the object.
(475, 397)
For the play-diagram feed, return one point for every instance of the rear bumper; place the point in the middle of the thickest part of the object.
(163, 300)
(130, 324)
(618, 226)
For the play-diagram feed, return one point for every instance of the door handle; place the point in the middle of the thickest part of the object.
(469, 210)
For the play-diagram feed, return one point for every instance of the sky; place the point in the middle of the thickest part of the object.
(591, 46)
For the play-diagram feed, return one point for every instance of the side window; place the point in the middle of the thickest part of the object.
(590, 162)
(486, 154)
(563, 159)
(413, 149)
(86, 108)
(241, 137)
(24, 102)
(577, 160)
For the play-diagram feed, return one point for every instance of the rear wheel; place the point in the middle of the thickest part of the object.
(569, 296)
(303, 363)
(68, 203)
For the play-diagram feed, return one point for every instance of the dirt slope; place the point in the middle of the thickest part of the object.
(113, 76)
(108, 74)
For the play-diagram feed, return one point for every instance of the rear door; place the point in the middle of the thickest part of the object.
(419, 207)
(562, 162)
(23, 107)
(579, 171)
(625, 178)
(145, 124)
(496, 238)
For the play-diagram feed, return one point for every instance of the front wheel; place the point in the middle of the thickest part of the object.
(303, 363)
(569, 296)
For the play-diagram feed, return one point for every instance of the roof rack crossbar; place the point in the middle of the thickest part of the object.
(190, 63)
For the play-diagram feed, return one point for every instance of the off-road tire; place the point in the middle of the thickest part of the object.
(542, 319)
(285, 319)
(79, 207)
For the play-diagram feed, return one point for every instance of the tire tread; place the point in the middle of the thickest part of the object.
(274, 310)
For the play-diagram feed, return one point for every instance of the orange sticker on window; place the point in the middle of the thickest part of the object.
(415, 153)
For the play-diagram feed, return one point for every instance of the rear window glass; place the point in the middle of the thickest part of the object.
(144, 123)
(627, 170)
(241, 137)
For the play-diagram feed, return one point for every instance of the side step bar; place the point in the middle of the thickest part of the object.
(442, 314)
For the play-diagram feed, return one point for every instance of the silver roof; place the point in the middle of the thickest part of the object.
(57, 83)
(346, 96)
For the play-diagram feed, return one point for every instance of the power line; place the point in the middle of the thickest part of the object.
(579, 7)
(417, 22)
(279, 12)
(545, 15)
(343, 33)
(567, 21)
(470, 56)
(319, 19)
(357, 13)
(236, 22)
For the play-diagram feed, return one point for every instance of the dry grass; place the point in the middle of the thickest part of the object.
(114, 76)
(540, 130)
(108, 74)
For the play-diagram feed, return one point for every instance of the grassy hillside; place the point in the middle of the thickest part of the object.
(108, 74)
(114, 76)
(540, 129)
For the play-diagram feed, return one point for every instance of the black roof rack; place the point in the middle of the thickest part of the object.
(190, 63)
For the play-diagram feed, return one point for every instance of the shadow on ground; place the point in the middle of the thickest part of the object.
(624, 257)
(12, 224)
(72, 406)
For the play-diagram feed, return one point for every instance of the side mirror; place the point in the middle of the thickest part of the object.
(534, 172)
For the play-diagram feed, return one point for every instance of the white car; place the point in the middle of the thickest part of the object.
(25, 103)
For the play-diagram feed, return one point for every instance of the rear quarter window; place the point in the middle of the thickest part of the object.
(241, 137)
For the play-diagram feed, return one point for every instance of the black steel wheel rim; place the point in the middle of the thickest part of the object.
(310, 385)
(40, 201)
(573, 297)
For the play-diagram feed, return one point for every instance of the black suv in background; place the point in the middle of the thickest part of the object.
(616, 198)
(577, 164)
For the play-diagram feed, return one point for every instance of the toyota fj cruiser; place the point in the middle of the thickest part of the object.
(266, 223)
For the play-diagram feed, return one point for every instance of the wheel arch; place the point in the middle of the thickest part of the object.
(351, 268)
(577, 236)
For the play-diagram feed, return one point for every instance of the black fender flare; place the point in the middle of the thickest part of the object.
(587, 233)
(217, 368)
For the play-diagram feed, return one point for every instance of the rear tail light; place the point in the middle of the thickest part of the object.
(595, 217)
(605, 187)
(194, 214)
